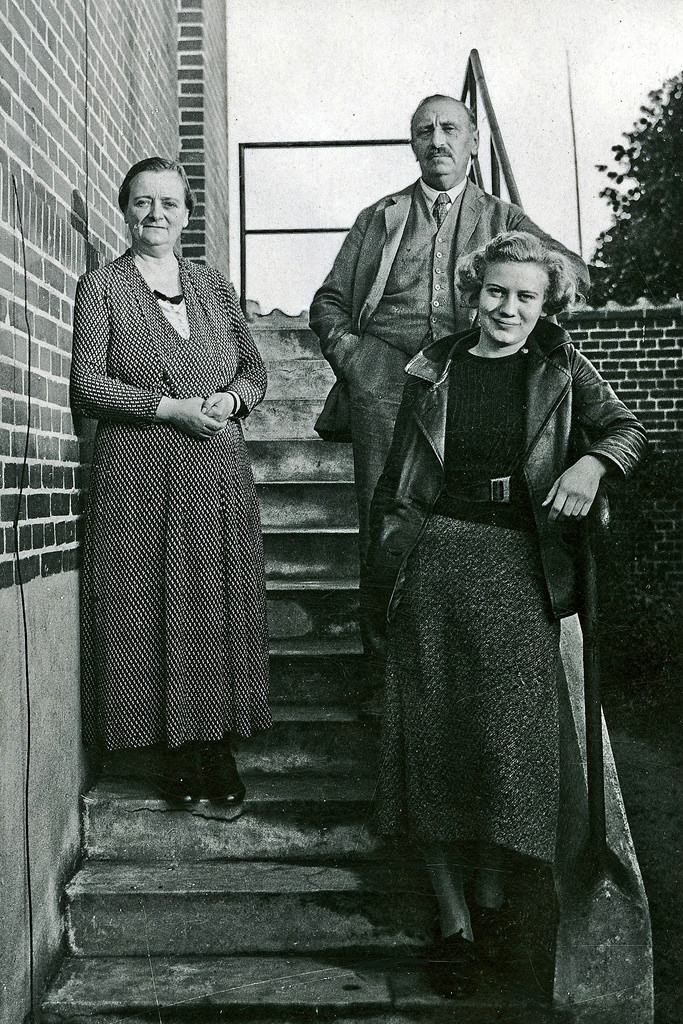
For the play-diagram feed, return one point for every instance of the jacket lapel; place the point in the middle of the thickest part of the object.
(470, 214)
(547, 379)
(431, 417)
(433, 365)
(395, 218)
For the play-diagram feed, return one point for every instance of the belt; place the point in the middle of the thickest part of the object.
(496, 490)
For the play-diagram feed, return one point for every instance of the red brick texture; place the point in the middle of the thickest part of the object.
(87, 90)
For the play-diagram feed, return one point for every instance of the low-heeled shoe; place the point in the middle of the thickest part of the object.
(221, 782)
(178, 779)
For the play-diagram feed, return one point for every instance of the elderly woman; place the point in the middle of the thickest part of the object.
(174, 641)
(504, 434)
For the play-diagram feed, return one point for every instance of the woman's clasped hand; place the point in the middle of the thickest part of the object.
(199, 417)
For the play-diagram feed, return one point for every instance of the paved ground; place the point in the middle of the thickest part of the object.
(646, 745)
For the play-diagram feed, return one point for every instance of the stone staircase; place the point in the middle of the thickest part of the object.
(292, 912)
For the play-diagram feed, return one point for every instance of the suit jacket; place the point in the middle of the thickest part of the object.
(119, 370)
(349, 296)
(570, 411)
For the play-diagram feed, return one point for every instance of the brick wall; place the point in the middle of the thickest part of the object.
(81, 101)
(203, 131)
(640, 352)
(88, 87)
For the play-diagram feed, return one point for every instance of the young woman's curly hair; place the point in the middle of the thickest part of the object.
(519, 247)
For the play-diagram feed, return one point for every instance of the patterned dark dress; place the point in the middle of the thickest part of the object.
(174, 642)
(470, 746)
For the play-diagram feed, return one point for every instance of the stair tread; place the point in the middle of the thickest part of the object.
(261, 788)
(313, 713)
(283, 529)
(318, 481)
(314, 648)
(285, 983)
(241, 877)
(347, 583)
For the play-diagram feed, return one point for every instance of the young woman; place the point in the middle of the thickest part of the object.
(504, 434)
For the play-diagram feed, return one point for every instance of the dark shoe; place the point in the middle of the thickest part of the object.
(451, 967)
(221, 782)
(488, 925)
(178, 779)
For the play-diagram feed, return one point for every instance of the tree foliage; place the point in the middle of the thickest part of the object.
(641, 254)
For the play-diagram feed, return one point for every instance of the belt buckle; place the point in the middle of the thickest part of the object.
(499, 490)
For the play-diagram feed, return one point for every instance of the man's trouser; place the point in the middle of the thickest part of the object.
(376, 376)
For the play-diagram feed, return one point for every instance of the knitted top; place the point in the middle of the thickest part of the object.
(485, 437)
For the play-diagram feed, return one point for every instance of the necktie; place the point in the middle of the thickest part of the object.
(441, 208)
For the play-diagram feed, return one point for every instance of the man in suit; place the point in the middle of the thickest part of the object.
(392, 287)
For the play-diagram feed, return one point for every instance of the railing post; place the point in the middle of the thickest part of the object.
(243, 234)
(496, 134)
(495, 171)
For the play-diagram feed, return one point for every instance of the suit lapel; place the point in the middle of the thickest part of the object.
(470, 213)
(395, 217)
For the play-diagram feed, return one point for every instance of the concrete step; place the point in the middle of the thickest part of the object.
(325, 740)
(313, 647)
(265, 990)
(321, 505)
(311, 554)
(310, 818)
(309, 738)
(301, 678)
(299, 378)
(295, 343)
(290, 337)
(246, 907)
(314, 613)
(295, 460)
(279, 420)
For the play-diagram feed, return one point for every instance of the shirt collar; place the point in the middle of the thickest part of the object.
(430, 193)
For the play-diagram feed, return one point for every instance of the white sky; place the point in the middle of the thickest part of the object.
(352, 69)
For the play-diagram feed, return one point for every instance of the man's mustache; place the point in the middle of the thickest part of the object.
(437, 152)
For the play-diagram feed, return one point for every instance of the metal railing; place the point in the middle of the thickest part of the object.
(474, 90)
(245, 231)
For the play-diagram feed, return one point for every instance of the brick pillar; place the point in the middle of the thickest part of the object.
(202, 100)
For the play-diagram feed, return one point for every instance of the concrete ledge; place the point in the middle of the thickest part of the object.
(643, 312)
(603, 969)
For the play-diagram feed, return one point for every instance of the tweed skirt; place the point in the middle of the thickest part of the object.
(470, 747)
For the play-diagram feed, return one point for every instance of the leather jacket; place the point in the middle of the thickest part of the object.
(570, 411)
